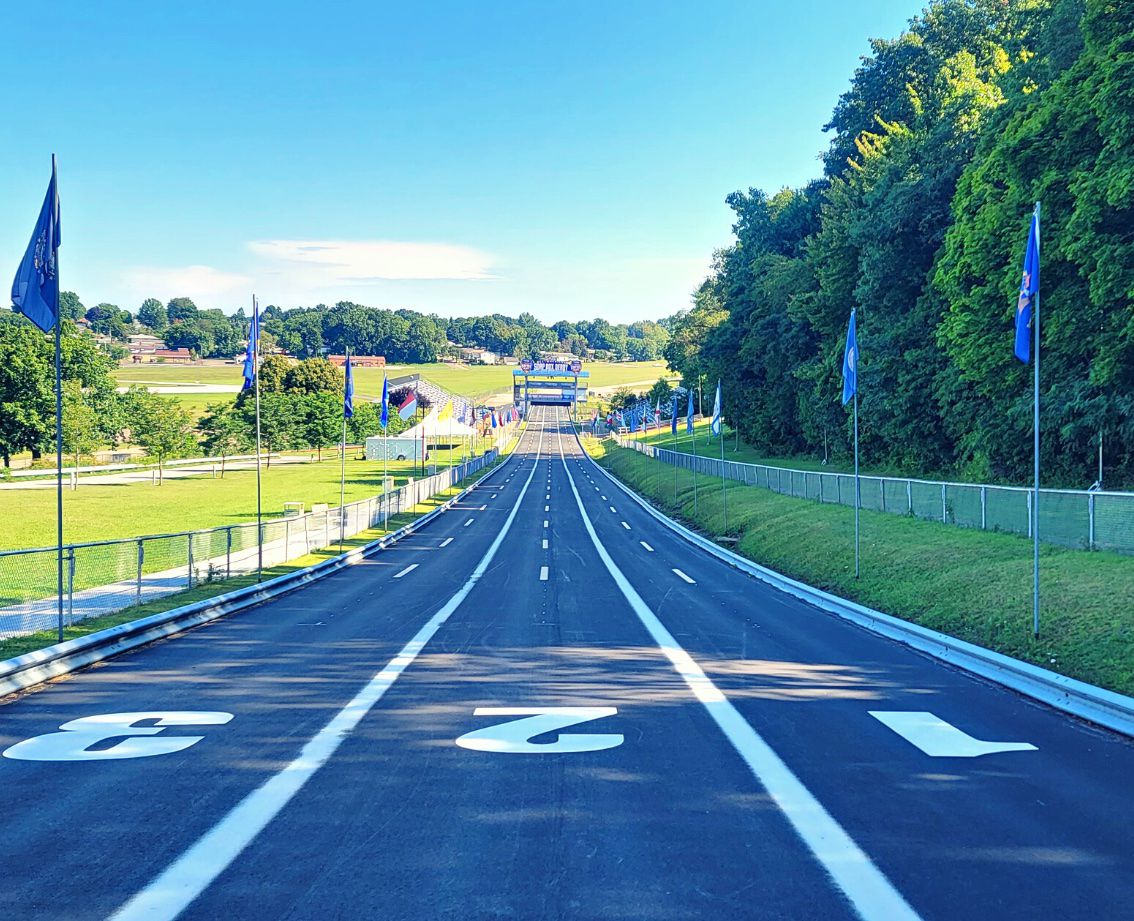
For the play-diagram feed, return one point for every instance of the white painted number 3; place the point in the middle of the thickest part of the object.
(514, 736)
(76, 738)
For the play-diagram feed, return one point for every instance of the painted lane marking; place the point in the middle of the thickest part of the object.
(514, 737)
(940, 739)
(865, 886)
(612, 509)
(626, 526)
(547, 508)
(446, 542)
(470, 521)
(181, 882)
(493, 496)
(548, 496)
(649, 549)
(545, 522)
(604, 498)
(543, 574)
(76, 736)
(545, 543)
(406, 571)
(682, 575)
(483, 508)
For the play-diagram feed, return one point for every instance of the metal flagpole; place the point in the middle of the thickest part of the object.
(1036, 450)
(58, 425)
(857, 489)
(724, 492)
(342, 471)
(386, 463)
(694, 434)
(259, 496)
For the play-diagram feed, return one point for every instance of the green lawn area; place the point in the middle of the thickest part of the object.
(475, 382)
(106, 512)
(975, 585)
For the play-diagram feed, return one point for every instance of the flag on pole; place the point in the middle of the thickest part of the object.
(348, 394)
(673, 420)
(35, 290)
(716, 423)
(385, 402)
(408, 407)
(253, 348)
(689, 413)
(850, 363)
(657, 414)
(446, 412)
(1029, 288)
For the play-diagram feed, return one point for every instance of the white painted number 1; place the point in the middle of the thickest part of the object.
(74, 740)
(514, 736)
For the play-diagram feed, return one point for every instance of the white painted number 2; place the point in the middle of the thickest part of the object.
(514, 737)
(75, 739)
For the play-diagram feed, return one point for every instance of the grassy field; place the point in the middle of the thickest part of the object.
(16, 646)
(476, 382)
(107, 512)
(974, 585)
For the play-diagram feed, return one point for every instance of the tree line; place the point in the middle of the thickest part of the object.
(946, 137)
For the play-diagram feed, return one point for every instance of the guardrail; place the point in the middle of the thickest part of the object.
(101, 577)
(1083, 519)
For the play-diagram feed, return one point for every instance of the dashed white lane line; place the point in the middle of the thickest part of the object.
(543, 574)
(470, 521)
(547, 508)
(493, 496)
(604, 498)
(545, 543)
(612, 508)
(483, 508)
(545, 522)
(649, 549)
(626, 526)
(682, 575)
(446, 542)
(406, 571)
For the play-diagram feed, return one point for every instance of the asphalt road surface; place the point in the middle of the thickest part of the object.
(546, 705)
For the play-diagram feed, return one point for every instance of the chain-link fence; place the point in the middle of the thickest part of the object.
(1068, 517)
(101, 577)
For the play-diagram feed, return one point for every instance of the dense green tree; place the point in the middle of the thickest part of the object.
(70, 307)
(160, 425)
(315, 375)
(152, 314)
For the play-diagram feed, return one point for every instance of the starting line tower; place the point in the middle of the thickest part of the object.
(549, 383)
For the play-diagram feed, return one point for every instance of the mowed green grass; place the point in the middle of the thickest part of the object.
(475, 381)
(93, 513)
(975, 585)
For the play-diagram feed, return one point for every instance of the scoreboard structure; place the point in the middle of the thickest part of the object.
(549, 383)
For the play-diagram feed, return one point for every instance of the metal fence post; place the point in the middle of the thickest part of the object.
(944, 516)
(189, 582)
(983, 508)
(1029, 495)
(228, 553)
(909, 497)
(287, 540)
(1091, 521)
(71, 586)
(141, 560)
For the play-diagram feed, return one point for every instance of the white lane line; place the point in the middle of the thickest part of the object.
(545, 543)
(493, 496)
(682, 575)
(626, 526)
(869, 891)
(604, 498)
(548, 496)
(545, 522)
(190, 874)
(940, 739)
(446, 542)
(543, 574)
(483, 508)
(649, 549)
(612, 508)
(470, 521)
(407, 570)
(547, 508)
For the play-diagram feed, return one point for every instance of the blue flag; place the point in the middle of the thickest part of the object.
(1029, 288)
(253, 347)
(689, 413)
(35, 290)
(673, 421)
(385, 402)
(850, 363)
(716, 423)
(348, 392)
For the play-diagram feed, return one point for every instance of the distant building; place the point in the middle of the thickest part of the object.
(558, 356)
(509, 360)
(167, 356)
(144, 344)
(479, 356)
(358, 361)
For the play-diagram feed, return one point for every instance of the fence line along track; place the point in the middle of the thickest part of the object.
(1082, 519)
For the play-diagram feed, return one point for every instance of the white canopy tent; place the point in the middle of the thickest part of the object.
(434, 428)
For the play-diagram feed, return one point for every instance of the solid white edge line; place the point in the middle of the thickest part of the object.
(682, 575)
(869, 891)
(189, 875)
(406, 571)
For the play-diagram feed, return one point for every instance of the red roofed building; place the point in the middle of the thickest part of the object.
(358, 361)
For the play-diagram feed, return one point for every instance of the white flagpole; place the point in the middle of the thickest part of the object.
(386, 463)
(342, 471)
(857, 488)
(259, 505)
(1036, 451)
(724, 492)
(58, 422)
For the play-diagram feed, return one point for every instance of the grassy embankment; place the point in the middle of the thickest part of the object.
(975, 585)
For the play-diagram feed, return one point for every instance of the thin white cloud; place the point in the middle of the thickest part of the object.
(201, 283)
(362, 261)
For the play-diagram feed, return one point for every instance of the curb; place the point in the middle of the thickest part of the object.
(42, 665)
(1086, 701)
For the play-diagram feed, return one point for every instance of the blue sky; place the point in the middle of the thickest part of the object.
(567, 158)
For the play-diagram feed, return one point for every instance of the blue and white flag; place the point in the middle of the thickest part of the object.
(385, 402)
(35, 290)
(253, 350)
(689, 413)
(716, 423)
(850, 363)
(348, 394)
(1029, 288)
